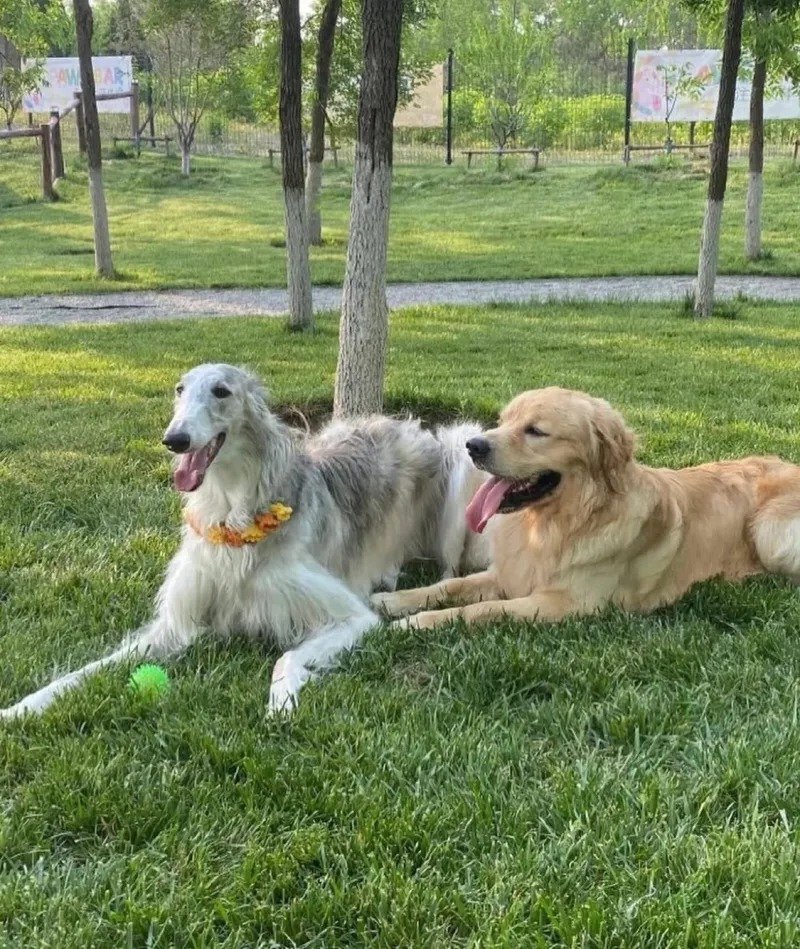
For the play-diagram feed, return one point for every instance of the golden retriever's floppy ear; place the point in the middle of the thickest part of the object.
(613, 445)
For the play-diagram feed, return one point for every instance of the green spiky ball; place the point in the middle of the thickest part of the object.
(149, 681)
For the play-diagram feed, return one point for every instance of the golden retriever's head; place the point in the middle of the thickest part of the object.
(545, 436)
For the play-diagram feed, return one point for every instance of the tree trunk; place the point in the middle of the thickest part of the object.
(316, 151)
(301, 314)
(755, 181)
(720, 146)
(365, 316)
(102, 242)
(186, 158)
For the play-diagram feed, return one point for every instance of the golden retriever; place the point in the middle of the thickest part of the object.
(579, 524)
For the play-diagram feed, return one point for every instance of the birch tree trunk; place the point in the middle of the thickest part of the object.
(103, 264)
(755, 179)
(720, 146)
(316, 151)
(363, 329)
(301, 314)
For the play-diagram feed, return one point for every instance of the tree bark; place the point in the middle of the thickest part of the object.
(186, 159)
(102, 241)
(364, 325)
(301, 314)
(720, 146)
(755, 180)
(316, 151)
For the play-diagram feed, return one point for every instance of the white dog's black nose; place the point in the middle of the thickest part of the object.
(478, 448)
(179, 442)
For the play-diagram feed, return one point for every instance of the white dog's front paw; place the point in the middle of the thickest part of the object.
(15, 711)
(407, 622)
(288, 678)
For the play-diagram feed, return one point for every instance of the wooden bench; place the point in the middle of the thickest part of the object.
(666, 149)
(272, 152)
(500, 152)
(150, 139)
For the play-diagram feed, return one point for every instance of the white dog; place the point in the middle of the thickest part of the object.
(286, 537)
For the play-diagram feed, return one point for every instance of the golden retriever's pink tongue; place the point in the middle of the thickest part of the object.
(486, 501)
(189, 474)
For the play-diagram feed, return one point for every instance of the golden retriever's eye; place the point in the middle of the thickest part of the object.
(179, 389)
(536, 432)
(220, 392)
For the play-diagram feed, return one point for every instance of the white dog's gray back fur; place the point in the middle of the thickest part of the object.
(371, 485)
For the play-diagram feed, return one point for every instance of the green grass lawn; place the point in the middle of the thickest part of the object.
(614, 781)
(224, 226)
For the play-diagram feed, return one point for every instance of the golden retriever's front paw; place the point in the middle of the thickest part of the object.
(389, 604)
(426, 620)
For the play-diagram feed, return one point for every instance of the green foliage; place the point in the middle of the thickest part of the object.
(416, 59)
(193, 46)
(32, 28)
(15, 84)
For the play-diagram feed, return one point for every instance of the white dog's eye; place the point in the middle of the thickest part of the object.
(220, 392)
(179, 389)
(536, 432)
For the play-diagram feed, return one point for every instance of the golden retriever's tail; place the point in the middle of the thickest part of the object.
(775, 529)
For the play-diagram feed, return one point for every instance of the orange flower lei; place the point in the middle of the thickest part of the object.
(262, 526)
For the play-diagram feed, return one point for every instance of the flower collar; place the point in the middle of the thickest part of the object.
(261, 526)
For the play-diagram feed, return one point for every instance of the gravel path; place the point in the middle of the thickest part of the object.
(132, 306)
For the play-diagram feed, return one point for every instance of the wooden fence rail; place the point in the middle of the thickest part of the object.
(49, 134)
(42, 132)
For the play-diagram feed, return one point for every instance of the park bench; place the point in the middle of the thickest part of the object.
(667, 149)
(150, 139)
(272, 152)
(500, 152)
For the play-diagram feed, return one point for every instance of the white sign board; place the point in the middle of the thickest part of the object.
(685, 83)
(62, 79)
(425, 108)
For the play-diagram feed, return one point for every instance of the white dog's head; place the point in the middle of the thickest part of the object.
(213, 404)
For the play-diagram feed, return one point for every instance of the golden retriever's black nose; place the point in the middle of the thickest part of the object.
(179, 442)
(478, 448)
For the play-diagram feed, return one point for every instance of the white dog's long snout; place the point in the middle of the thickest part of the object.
(191, 427)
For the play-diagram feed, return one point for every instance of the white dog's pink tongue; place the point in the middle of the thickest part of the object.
(485, 502)
(189, 474)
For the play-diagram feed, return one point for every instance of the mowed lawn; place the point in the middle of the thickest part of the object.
(224, 226)
(613, 781)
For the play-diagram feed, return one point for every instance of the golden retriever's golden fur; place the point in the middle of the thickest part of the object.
(610, 531)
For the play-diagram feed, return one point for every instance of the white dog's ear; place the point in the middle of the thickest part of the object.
(613, 445)
(256, 398)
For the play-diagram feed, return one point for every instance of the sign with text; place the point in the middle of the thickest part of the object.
(682, 85)
(62, 79)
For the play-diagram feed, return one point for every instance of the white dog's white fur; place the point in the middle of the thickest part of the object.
(366, 495)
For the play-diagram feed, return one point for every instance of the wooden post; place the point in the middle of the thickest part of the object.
(47, 170)
(80, 123)
(629, 98)
(55, 145)
(134, 101)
